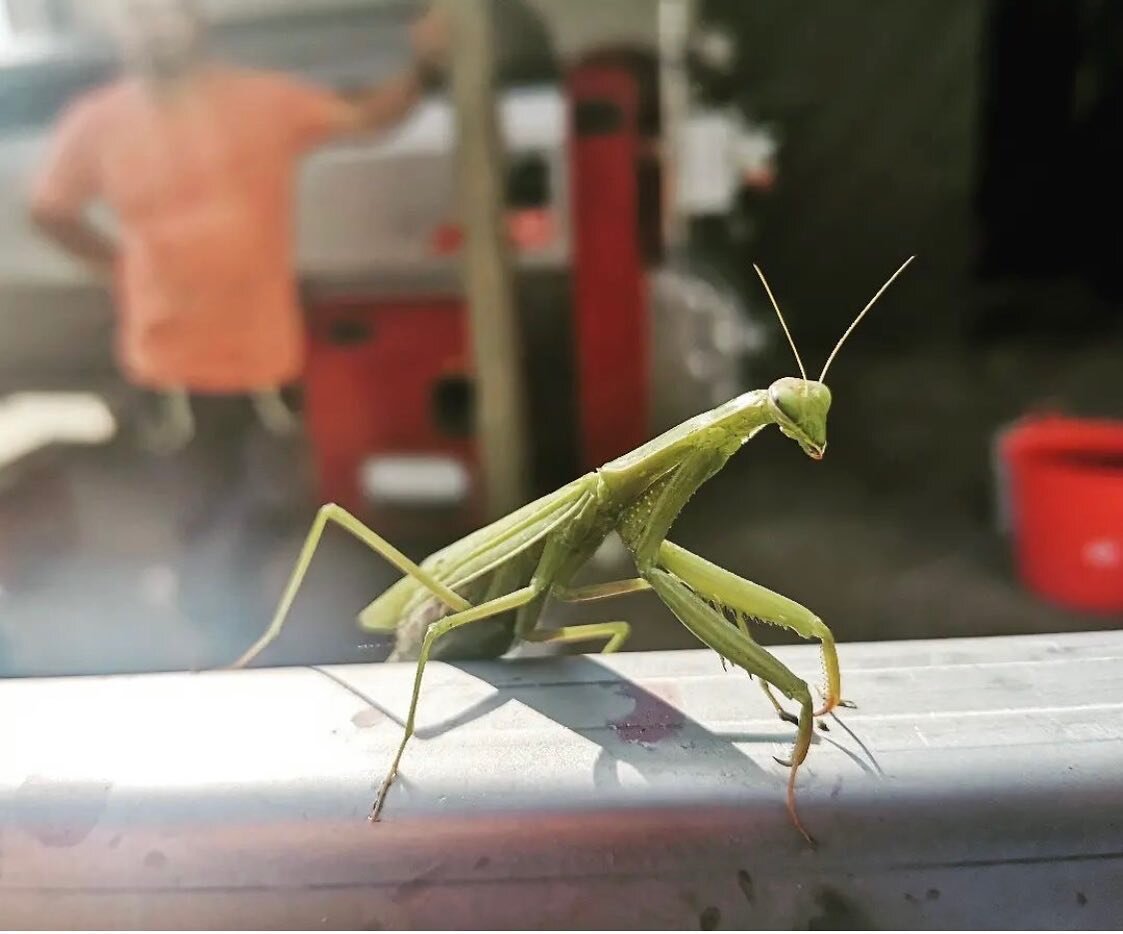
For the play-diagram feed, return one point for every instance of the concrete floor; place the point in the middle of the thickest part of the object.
(891, 536)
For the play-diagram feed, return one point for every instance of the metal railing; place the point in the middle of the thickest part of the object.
(979, 783)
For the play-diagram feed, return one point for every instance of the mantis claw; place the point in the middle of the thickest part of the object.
(376, 810)
(829, 704)
(792, 812)
(789, 717)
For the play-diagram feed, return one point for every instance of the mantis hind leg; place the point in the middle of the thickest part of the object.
(526, 601)
(713, 629)
(617, 632)
(748, 599)
(374, 541)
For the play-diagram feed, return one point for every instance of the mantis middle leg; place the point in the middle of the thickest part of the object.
(617, 633)
(552, 569)
(506, 603)
(600, 591)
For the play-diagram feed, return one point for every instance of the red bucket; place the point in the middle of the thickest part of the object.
(1065, 494)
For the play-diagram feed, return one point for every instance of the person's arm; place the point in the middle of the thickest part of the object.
(66, 183)
(385, 105)
(316, 115)
(76, 235)
(380, 107)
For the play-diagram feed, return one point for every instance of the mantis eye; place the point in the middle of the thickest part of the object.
(785, 404)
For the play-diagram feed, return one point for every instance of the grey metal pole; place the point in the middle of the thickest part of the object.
(676, 18)
(976, 786)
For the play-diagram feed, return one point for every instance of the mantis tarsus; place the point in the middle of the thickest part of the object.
(500, 576)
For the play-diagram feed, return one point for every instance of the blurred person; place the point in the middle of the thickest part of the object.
(197, 161)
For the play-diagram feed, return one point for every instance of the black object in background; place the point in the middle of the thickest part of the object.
(1048, 188)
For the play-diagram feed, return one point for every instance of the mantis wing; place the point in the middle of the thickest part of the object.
(466, 565)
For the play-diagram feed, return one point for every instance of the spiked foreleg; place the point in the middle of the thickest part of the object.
(715, 584)
(714, 630)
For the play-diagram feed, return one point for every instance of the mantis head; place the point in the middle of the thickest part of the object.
(799, 405)
(799, 408)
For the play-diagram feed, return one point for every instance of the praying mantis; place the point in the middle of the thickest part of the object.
(498, 579)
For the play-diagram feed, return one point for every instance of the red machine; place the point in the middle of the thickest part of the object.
(388, 388)
(376, 379)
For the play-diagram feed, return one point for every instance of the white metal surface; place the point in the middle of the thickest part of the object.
(979, 784)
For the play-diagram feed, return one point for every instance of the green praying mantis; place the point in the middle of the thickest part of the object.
(500, 577)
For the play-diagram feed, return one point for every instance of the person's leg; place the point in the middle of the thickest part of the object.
(274, 483)
(205, 475)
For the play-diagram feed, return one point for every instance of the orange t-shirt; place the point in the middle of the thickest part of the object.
(202, 188)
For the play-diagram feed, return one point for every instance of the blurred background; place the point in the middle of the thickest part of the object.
(645, 154)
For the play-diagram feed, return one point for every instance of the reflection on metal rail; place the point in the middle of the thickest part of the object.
(978, 784)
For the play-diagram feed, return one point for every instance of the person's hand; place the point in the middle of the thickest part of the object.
(429, 36)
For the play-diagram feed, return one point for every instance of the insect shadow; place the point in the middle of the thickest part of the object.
(633, 726)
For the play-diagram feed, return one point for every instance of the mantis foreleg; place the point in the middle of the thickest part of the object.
(644, 529)
(764, 685)
(746, 598)
(714, 630)
(333, 513)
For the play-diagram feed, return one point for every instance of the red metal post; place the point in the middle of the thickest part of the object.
(610, 313)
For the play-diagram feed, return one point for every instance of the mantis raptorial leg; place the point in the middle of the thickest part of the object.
(714, 630)
(745, 598)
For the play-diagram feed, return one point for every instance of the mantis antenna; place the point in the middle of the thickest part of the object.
(861, 314)
(783, 323)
